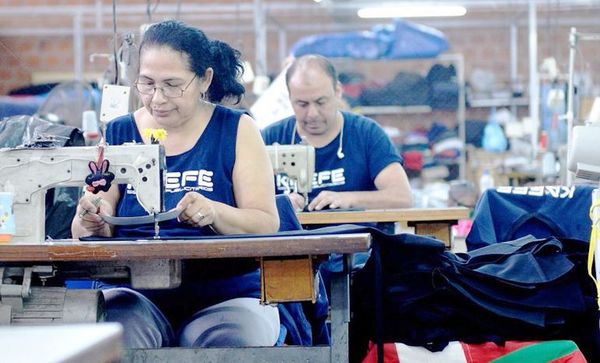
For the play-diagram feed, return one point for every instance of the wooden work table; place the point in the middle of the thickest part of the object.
(287, 274)
(75, 250)
(426, 221)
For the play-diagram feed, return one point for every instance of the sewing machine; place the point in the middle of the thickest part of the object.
(29, 172)
(297, 162)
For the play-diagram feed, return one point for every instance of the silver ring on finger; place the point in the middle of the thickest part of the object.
(200, 216)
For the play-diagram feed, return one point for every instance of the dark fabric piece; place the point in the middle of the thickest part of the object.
(33, 89)
(288, 221)
(444, 95)
(293, 318)
(441, 73)
(406, 89)
(339, 229)
(528, 289)
(474, 132)
(443, 86)
(61, 204)
(19, 130)
(318, 314)
(508, 213)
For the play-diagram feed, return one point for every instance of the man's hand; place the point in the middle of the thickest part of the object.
(297, 201)
(332, 200)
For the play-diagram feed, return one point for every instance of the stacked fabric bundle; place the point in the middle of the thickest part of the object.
(525, 290)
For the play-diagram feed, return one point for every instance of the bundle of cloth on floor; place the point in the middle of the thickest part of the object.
(528, 289)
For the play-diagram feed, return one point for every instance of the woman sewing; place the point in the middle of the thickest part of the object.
(218, 176)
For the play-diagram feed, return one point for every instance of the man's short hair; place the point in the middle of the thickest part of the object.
(310, 60)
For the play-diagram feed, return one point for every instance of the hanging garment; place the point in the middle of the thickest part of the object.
(507, 213)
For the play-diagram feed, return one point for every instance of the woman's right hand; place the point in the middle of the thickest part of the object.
(87, 221)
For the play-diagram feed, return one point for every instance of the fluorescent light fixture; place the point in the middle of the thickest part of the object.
(411, 11)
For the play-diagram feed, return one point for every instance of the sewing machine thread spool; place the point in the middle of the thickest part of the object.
(7, 217)
(90, 126)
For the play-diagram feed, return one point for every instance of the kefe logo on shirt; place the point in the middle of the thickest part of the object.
(322, 179)
(189, 180)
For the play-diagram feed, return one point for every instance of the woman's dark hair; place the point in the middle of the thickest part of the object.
(202, 54)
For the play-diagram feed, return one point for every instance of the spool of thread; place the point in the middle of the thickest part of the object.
(594, 116)
(7, 217)
(89, 125)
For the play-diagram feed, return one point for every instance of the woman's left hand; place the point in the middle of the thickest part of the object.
(197, 210)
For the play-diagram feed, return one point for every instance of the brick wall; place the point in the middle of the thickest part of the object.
(482, 47)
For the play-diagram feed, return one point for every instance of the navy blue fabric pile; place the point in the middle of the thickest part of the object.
(527, 289)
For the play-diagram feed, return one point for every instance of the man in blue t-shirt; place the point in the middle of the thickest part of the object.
(356, 163)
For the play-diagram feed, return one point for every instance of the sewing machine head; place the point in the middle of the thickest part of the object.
(296, 161)
(29, 172)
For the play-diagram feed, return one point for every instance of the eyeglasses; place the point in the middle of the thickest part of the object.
(167, 91)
